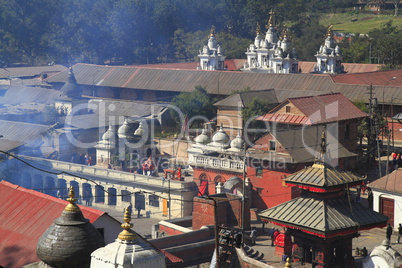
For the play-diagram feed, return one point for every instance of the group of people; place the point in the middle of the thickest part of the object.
(82, 159)
(390, 231)
(148, 168)
(396, 162)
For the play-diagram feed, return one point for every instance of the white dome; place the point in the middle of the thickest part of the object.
(202, 138)
(221, 137)
(237, 143)
(124, 130)
(139, 131)
(109, 135)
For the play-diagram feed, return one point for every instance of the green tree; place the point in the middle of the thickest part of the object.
(252, 110)
(192, 104)
(386, 44)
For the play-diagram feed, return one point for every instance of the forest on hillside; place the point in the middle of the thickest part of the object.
(38, 32)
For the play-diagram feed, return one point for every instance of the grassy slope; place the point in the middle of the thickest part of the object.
(365, 22)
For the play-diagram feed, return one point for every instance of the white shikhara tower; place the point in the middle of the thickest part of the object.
(211, 56)
(329, 58)
(272, 54)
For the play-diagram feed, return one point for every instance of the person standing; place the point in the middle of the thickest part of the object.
(253, 235)
(399, 233)
(389, 231)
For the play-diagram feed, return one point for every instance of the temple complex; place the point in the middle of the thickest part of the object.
(323, 220)
(272, 54)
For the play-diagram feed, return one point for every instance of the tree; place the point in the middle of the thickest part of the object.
(386, 44)
(252, 110)
(193, 104)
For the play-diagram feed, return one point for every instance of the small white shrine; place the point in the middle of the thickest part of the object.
(272, 54)
(211, 57)
(329, 58)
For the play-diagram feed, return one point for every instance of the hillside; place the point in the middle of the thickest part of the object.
(362, 23)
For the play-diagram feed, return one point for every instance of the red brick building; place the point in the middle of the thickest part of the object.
(292, 142)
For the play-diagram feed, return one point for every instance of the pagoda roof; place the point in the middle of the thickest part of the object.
(325, 218)
(323, 178)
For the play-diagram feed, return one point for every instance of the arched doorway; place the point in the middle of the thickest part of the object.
(62, 191)
(37, 184)
(50, 186)
(87, 194)
(99, 194)
(203, 187)
(26, 180)
(112, 198)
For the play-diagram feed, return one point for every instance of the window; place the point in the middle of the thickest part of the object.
(154, 201)
(287, 109)
(272, 145)
(347, 131)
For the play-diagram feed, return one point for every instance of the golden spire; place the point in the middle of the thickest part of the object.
(285, 32)
(271, 19)
(258, 29)
(72, 207)
(288, 264)
(212, 31)
(127, 234)
(329, 30)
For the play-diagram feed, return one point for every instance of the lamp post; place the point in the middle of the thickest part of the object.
(383, 89)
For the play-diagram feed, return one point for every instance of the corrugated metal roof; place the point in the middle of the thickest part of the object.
(24, 216)
(318, 109)
(216, 82)
(23, 133)
(237, 64)
(371, 78)
(390, 183)
(21, 94)
(322, 176)
(304, 145)
(325, 217)
(244, 98)
(108, 111)
(30, 71)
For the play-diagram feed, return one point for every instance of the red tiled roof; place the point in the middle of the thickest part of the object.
(24, 216)
(375, 78)
(236, 64)
(317, 110)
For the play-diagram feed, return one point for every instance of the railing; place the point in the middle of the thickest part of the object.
(216, 162)
(108, 173)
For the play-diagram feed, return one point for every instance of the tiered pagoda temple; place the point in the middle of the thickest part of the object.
(324, 219)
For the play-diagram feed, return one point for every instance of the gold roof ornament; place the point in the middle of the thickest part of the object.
(285, 32)
(271, 21)
(288, 264)
(329, 30)
(258, 29)
(212, 31)
(127, 234)
(72, 207)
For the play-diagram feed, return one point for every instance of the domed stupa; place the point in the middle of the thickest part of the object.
(129, 251)
(70, 240)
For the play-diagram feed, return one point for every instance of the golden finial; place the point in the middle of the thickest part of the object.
(329, 30)
(285, 31)
(72, 207)
(127, 234)
(212, 31)
(271, 19)
(258, 29)
(288, 264)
